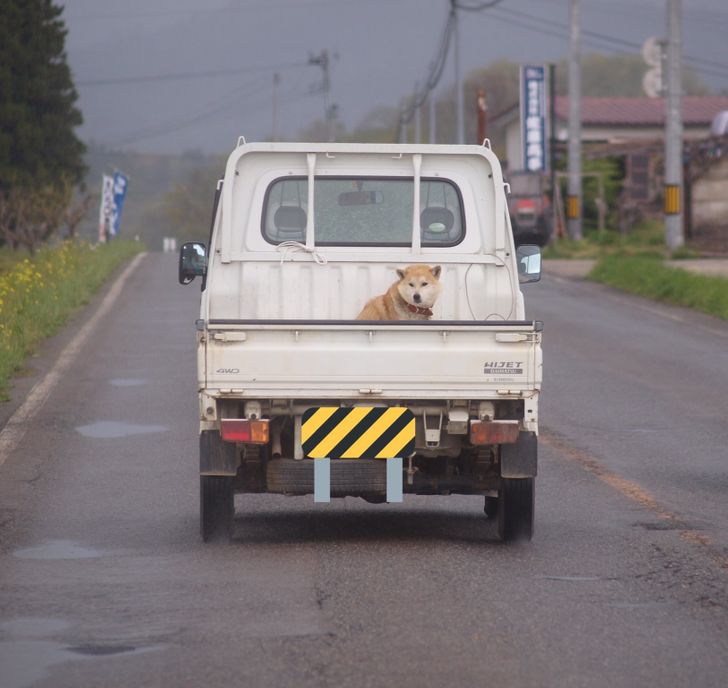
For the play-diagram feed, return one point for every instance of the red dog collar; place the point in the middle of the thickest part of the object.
(419, 311)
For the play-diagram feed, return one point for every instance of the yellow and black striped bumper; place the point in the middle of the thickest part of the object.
(361, 432)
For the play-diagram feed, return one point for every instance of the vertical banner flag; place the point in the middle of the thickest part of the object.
(121, 181)
(535, 125)
(106, 208)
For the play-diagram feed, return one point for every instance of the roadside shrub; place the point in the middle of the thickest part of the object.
(650, 277)
(38, 294)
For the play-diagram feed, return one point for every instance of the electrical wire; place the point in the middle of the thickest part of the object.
(537, 23)
(172, 127)
(174, 76)
(231, 98)
(264, 5)
(438, 65)
(477, 7)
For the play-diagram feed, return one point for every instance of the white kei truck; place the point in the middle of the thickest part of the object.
(302, 236)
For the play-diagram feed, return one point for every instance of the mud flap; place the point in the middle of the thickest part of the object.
(217, 457)
(520, 460)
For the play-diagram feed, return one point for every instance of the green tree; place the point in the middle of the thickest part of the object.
(186, 209)
(38, 112)
(379, 125)
(619, 75)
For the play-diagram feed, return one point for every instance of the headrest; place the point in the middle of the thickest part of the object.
(290, 218)
(436, 220)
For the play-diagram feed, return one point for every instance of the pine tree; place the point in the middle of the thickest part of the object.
(38, 113)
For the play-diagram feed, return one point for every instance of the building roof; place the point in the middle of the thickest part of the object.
(697, 110)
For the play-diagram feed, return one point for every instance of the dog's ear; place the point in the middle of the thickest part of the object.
(400, 273)
(436, 270)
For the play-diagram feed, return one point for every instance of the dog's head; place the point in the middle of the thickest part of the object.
(419, 285)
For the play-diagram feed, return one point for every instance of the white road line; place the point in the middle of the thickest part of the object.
(18, 424)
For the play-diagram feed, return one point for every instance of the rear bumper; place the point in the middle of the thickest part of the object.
(367, 478)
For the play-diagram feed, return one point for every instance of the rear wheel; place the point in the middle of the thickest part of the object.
(217, 507)
(516, 508)
(491, 507)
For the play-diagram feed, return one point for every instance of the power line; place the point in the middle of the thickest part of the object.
(231, 99)
(476, 7)
(537, 24)
(433, 77)
(437, 66)
(264, 5)
(174, 126)
(606, 37)
(174, 76)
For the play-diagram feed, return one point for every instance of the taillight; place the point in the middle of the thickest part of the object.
(245, 431)
(493, 431)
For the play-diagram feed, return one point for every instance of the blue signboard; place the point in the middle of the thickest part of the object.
(534, 118)
(121, 181)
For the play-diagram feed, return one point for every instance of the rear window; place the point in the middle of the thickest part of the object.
(363, 211)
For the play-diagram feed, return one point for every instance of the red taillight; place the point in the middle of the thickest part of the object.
(245, 431)
(493, 431)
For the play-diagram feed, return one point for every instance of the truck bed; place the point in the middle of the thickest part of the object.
(350, 359)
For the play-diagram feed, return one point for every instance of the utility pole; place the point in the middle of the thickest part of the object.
(482, 117)
(556, 218)
(432, 119)
(276, 81)
(674, 129)
(417, 115)
(458, 84)
(329, 109)
(402, 125)
(573, 201)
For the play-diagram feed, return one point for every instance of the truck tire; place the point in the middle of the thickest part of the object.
(491, 507)
(515, 509)
(217, 508)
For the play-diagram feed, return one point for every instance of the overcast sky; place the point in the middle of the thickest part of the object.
(380, 48)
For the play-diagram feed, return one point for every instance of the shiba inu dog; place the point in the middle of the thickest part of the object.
(409, 298)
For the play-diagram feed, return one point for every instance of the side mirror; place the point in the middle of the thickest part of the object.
(192, 261)
(528, 257)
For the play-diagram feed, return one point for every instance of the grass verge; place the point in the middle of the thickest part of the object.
(650, 277)
(39, 293)
(646, 238)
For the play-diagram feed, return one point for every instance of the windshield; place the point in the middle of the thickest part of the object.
(363, 211)
(525, 184)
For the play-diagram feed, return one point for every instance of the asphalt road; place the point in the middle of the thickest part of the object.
(104, 580)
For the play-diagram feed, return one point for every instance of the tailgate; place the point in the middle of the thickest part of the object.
(404, 360)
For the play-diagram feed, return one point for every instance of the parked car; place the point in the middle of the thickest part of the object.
(530, 208)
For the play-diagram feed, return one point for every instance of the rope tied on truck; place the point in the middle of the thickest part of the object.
(287, 247)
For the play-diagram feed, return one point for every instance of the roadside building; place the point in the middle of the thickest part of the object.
(632, 129)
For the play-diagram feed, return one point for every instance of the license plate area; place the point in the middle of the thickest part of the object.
(359, 432)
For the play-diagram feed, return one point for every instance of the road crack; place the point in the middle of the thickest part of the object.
(636, 493)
